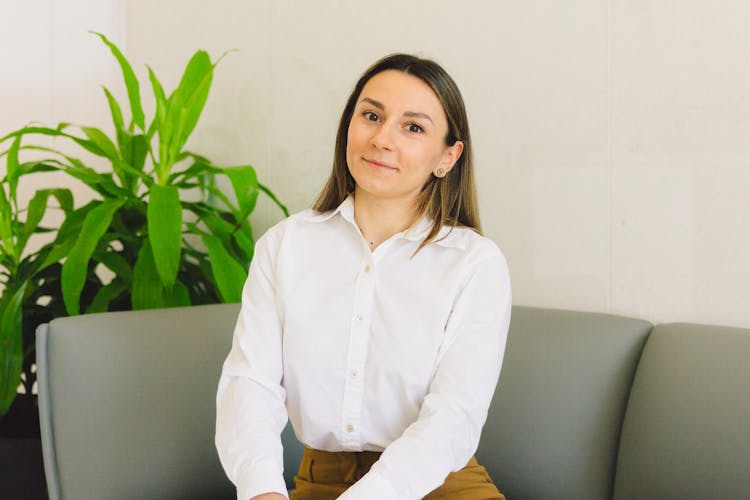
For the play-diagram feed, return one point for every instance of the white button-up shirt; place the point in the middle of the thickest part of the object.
(381, 351)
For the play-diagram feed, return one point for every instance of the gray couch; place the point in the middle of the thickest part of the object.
(589, 406)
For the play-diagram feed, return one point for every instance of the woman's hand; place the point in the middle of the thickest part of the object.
(269, 496)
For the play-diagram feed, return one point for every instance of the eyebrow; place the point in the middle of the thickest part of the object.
(410, 114)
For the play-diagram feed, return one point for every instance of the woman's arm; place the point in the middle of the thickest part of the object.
(250, 411)
(446, 433)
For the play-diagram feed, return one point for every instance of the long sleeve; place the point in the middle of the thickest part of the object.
(446, 432)
(250, 411)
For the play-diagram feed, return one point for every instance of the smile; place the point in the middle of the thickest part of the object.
(378, 164)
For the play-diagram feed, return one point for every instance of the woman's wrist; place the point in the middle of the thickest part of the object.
(269, 496)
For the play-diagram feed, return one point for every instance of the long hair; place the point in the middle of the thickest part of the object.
(450, 200)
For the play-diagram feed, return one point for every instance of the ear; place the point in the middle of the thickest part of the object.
(451, 156)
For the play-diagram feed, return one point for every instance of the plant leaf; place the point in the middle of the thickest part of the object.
(274, 198)
(214, 193)
(245, 183)
(88, 145)
(218, 226)
(195, 85)
(196, 170)
(178, 297)
(164, 216)
(185, 106)
(57, 253)
(131, 82)
(147, 291)
(64, 198)
(6, 225)
(67, 235)
(117, 120)
(14, 171)
(229, 275)
(101, 183)
(33, 167)
(135, 154)
(133, 151)
(101, 140)
(161, 106)
(76, 265)
(105, 295)
(244, 238)
(35, 130)
(37, 208)
(11, 345)
(115, 263)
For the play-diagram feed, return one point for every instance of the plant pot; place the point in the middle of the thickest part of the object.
(21, 464)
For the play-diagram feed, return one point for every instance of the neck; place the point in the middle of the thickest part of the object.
(378, 219)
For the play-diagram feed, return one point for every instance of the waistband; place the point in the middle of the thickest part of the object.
(360, 457)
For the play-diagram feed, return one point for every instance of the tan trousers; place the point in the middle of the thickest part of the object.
(324, 475)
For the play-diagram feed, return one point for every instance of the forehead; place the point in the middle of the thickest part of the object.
(399, 91)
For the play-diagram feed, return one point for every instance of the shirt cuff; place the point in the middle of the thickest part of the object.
(372, 486)
(261, 477)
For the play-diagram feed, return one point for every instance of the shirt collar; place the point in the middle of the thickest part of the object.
(417, 232)
(420, 230)
(346, 209)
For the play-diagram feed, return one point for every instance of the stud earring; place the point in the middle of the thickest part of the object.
(440, 172)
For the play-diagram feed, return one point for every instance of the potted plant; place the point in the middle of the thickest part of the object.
(162, 230)
(25, 276)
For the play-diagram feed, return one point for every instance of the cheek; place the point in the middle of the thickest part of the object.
(349, 134)
(424, 156)
(355, 136)
(351, 143)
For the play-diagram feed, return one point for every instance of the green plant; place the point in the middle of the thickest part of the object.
(159, 224)
(25, 276)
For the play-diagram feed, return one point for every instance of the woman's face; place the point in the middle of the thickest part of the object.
(396, 137)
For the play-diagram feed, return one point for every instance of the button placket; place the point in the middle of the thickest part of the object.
(356, 357)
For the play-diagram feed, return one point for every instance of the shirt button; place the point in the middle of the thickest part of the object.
(360, 317)
(349, 428)
(367, 268)
(354, 373)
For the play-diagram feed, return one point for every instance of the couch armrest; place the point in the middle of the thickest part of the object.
(687, 427)
(127, 403)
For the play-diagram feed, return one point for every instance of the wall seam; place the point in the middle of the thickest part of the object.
(610, 161)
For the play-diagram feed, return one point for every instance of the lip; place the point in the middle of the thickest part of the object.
(378, 164)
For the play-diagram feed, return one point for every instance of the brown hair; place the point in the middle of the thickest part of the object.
(450, 200)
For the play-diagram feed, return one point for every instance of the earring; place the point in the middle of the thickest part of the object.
(440, 172)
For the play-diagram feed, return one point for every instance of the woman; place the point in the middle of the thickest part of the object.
(377, 320)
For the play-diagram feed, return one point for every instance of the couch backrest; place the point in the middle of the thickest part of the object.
(127, 403)
(687, 427)
(555, 421)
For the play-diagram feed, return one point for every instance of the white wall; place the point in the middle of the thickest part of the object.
(51, 70)
(50, 67)
(612, 137)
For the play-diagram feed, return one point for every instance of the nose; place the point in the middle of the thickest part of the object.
(382, 138)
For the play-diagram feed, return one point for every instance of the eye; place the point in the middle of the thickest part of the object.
(413, 127)
(369, 115)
